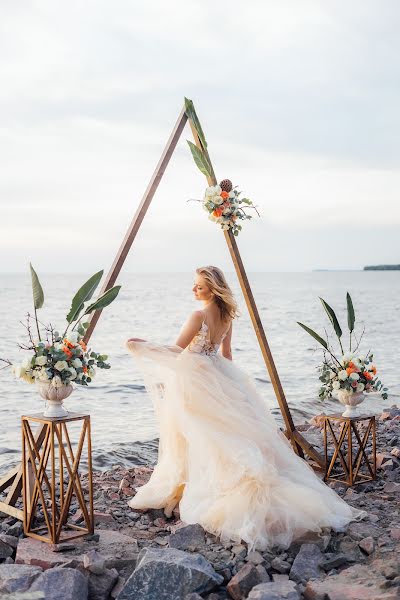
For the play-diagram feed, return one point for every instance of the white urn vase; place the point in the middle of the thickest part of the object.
(54, 397)
(350, 400)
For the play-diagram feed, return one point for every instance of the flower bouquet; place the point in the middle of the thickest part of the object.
(59, 360)
(225, 207)
(350, 375)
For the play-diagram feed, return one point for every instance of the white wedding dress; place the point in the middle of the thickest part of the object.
(222, 455)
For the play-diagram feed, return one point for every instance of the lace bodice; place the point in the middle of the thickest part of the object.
(202, 344)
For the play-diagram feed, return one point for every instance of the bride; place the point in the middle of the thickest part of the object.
(221, 454)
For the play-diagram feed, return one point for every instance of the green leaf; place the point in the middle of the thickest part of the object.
(351, 318)
(314, 335)
(37, 290)
(191, 114)
(83, 295)
(332, 317)
(104, 300)
(200, 160)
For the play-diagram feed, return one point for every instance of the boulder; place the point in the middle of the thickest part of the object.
(358, 582)
(17, 578)
(244, 580)
(189, 536)
(307, 563)
(62, 584)
(101, 585)
(111, 545)
(275, 590)
(169, 574)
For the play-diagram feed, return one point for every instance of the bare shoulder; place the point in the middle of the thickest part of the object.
(197, 316)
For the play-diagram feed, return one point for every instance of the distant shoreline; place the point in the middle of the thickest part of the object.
(382, 268)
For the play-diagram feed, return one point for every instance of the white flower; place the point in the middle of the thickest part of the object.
(360, 387)
(217, 189)
(210, 191)
(225, 227)
(17, 370)
(232, 194)
(40, 360)
(332, 375)
(79, 376)
(336, 385)
(73, 373)
(77, 363)
(218, 200)
(354, 376)
(56, 381)
(41, 374)
(61, 365)
(27, 376)
(226, 210)
(342, 375)
(26, 364)
(73, 337)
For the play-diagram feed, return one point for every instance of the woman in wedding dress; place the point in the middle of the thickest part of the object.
(222, 456)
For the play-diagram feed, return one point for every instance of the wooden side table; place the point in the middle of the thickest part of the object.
(350, 462)
(51, 478)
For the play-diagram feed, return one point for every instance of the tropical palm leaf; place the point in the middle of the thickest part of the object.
(351, 318)
(200, 160)
(332, 317)
(191, 114)
(37, 290)
(83, 295)
(104, 300)
(315, 335)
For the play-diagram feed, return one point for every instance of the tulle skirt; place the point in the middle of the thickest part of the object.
(223, 457)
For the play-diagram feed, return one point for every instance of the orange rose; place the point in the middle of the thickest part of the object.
(374, 370)
(224, 195)
(67, 352)
(367, 375)
(83, 345)
(84, 369)
(217, 212)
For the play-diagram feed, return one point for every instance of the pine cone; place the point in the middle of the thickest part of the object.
(226, 185)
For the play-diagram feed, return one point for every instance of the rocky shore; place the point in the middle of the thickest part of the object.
(143, 555)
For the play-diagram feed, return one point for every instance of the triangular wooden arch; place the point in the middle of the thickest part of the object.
(300, 445)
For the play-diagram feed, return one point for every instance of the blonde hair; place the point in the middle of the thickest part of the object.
(218, 285)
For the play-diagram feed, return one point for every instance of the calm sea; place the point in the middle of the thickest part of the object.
(154, 306)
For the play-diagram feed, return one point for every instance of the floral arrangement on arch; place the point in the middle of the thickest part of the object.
(60, 359)
(225, 207)
(351, 371)
(222, 202)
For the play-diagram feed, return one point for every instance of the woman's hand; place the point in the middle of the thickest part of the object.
(135, 340)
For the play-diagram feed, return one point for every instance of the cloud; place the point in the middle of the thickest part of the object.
(299, 104)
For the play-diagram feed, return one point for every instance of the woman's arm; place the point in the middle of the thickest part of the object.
(226, 350)
(189, 329)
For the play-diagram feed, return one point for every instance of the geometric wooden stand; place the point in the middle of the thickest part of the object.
(51, 479)
(350, 462)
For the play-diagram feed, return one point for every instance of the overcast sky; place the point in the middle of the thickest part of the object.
(299, 101)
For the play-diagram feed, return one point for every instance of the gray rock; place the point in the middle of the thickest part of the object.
(263, 573)
(275, 590)
(24, 596)
(62, 584)
(244, 580)
(16, 529)
(280, 565)
(255, 557)
(193, 596)
(332, 560)
(306, 565)
(9, 539)
(101, 585)
(17, 578)
(169, 574)
(5, 549)
(187, 536)
(94, 562)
